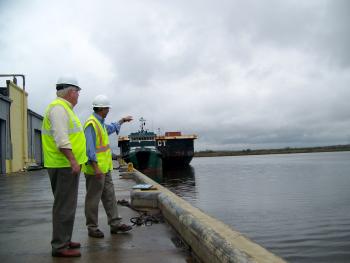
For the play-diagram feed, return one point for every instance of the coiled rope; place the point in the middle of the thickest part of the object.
(144, 217)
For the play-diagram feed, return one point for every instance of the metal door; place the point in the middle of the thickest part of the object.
(2, 146)
(38, 156)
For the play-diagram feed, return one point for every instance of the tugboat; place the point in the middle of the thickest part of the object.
(141, 151)
(174, 149)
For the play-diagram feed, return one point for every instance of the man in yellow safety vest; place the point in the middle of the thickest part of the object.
(64, 150)
(99, 183)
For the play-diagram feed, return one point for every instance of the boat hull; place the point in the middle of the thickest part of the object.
(147, 161)
(176, 152)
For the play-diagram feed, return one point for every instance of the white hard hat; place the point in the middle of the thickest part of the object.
(66, 81)
(101, 101)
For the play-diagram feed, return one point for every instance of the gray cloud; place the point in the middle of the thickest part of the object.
(240, 74)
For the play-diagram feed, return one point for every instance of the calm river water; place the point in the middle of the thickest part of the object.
(295, 205)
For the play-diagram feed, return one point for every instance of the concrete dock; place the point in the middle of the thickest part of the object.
(25, 226)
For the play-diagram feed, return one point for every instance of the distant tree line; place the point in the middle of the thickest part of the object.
(333, 148)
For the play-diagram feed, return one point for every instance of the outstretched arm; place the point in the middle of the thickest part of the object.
(115, 126)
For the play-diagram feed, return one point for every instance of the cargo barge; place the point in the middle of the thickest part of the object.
(176, 150)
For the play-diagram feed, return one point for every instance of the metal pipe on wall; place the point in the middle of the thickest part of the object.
(14, 78)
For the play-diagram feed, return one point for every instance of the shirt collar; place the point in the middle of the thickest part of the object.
(99, 117)
(66, 101)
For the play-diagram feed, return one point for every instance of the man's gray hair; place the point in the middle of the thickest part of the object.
(63, 92)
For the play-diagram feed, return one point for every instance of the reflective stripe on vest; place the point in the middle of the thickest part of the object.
(53, 157)
(103, 151)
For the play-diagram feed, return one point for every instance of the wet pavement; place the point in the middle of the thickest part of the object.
(25, 226)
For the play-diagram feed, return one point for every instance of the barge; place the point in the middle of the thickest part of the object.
(177, 150)
(174, 149)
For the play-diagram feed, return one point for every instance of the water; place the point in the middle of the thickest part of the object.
(295, 205)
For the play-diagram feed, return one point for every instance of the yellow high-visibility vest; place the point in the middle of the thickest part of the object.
(53, 157)
(103, 150)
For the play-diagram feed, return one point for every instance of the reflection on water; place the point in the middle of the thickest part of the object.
(295, 205)
(154, 174)
(181, 181)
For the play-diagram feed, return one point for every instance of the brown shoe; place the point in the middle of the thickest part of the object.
(74, 245)
(96, 233)
(66, 253)
(120, 229)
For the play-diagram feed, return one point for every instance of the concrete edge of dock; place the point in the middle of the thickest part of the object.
(208, 238)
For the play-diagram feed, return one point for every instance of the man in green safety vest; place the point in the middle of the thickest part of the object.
(99, 183)
(64, 150)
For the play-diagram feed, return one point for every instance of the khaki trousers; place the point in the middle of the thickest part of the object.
(96, 190)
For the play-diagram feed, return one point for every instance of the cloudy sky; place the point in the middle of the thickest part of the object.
(239, 73)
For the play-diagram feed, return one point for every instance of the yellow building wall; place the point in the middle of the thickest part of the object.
(18, 129)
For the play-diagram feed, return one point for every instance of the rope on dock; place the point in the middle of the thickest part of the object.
(144, 218)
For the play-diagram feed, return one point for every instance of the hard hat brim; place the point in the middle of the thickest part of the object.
(107, 106)
(65, 86)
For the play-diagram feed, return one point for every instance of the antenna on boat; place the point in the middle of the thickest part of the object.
(143, 123)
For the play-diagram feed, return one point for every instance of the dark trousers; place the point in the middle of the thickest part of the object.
(65, 191)
(96, 190)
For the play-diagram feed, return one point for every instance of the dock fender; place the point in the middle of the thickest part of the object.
(197, 233)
